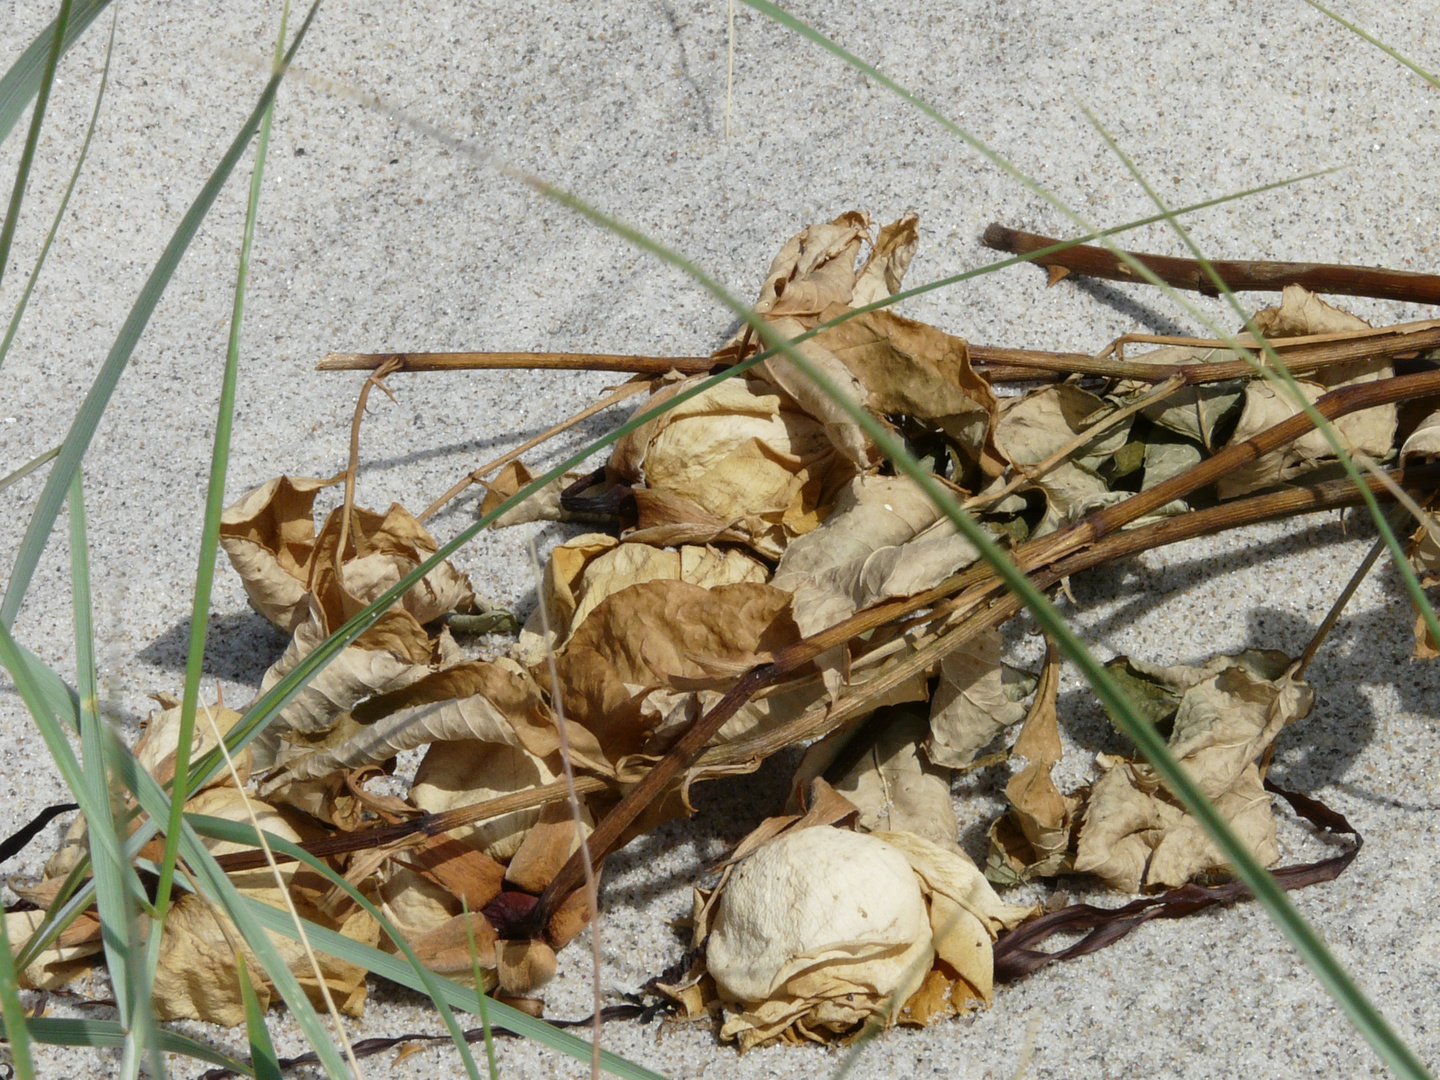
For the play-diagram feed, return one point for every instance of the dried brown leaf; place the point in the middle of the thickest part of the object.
(1369, 430)
(1134, 833)
(743, 454)
(970, 707)
(885, 538)
(665, 636)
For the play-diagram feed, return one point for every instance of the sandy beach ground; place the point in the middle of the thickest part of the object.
(403, 225)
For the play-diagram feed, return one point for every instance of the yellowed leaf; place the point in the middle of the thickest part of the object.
(1370, 430)
(970, 707)
(885, 538)
(743, 454)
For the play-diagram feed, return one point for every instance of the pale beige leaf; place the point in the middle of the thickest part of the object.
(885, 538)
(815, 268)
(1229, 712)
(884, 271)
(454, 774)
(490, 702)
(392, 653)
(1032, 429)
(741, 452)
(269, 535)
(157, 747)
(966, 914)
(970, 707)
(896, 788)
(822, 929)
(195, 977)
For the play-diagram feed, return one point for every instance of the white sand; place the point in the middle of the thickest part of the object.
(375, 234)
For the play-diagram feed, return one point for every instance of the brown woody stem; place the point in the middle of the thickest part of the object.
(1238, 275)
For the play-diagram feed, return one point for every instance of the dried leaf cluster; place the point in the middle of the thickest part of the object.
(768, 580)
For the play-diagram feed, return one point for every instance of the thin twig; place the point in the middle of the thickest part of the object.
(1238, 275)
(515, 361)
(1301, 354)
(354, 465)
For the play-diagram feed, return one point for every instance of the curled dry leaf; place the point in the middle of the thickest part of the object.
(884, 539)
(815, 934)
(1372, 431)
(482, 701)
(269, 534)
(971, 706)
(739, 461)
(1032, 838)
(1134, 834)
(157, 747)
(821, 930)
(584, 571)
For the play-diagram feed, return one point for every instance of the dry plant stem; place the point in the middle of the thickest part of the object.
(1238, 275)
(354, 466)
(628, 390)
(1301, 355)
(640, 365)
(515, 361)
(1333, 616)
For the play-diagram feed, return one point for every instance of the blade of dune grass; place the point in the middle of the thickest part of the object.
(32, 137)
(22, 82)
(24, 300)
(116, 885)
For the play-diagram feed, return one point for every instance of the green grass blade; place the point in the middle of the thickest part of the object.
(263, 1059)
(17, 1028)
(54, 1031)
(110, 897)
(64, 204)
(30, 466)
(1392, 53)
(218, 890)
(116, 884)
(32, 137)
(42, 520)
(214, 506)
(22, 81)
(411, 972)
